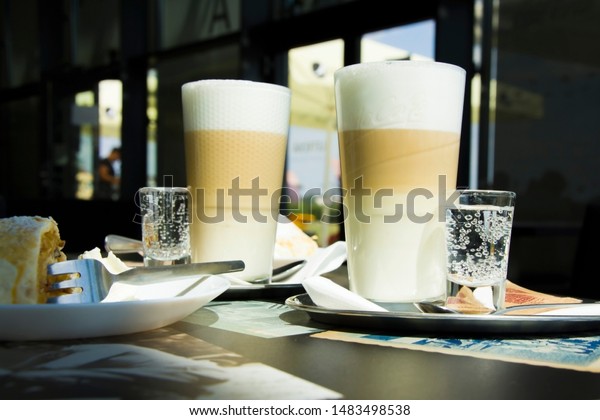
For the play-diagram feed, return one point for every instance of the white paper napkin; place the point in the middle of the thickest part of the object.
(210, 286)
(324, 260)
(330, 295)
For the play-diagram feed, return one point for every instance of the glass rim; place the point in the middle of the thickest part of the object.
(472, 197)
(406, 63)
(234, 84)
(488, 192)
(144, 190)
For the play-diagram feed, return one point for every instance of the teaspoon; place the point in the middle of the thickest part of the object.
(432, 308)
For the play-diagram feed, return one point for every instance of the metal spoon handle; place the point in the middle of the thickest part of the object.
(431, 308)
(544, 306)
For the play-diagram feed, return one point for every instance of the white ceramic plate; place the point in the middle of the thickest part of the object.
(83, 320)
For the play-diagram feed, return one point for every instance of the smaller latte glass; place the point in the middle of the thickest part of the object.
(165, 225)
(478, 231)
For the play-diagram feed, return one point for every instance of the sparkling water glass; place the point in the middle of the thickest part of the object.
(478, 231)
(165, 225)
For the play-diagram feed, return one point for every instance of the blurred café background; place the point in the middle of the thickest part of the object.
(80, 77)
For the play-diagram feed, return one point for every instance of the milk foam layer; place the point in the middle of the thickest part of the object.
(235, 105)
(400, 94)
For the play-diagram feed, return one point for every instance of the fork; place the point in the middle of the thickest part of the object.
(89, 281)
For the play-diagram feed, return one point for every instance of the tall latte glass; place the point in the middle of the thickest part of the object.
(399, 130)
(235, 141)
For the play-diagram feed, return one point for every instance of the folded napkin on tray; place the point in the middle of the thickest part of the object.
(466, 301)
(330, 295)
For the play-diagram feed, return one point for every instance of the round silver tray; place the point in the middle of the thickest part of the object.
(408, 322)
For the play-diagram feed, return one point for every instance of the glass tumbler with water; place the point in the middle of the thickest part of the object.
(478, 232)
(165, 225)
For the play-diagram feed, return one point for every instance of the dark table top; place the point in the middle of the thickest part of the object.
(210, 355)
